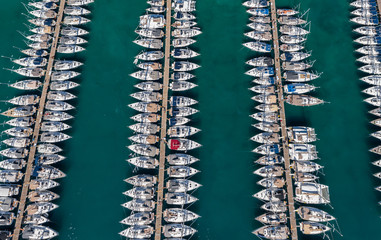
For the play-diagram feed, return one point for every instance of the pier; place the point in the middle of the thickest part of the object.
(289, 183)
(36, 132)
(163, 130)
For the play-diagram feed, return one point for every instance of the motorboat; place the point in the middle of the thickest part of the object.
(181, 171)
(181, 159)
(26, 84)
(181, 185)
(182, 144)
(144, 162)
(58, 105)
(142, 180)
(311, 193)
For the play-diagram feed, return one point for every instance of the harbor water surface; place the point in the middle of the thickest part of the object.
(91, 193)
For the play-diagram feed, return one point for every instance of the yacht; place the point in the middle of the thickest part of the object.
(43, 5)
(142, 180)
(177, 121)
(152, 21)
(30, 72)
(183, 53)
(371, 50)
(296, 66)
(275, 206)
(259, 27)
(181, 171)
(182, 131)
(314, 214)
(286, 12)
(14, 152)
(261, 72)
(58, 106)
(179, 198)
(372, 79)
(294, 56)
(266, 116)
(181, 66)
(182, 144)
(182, 42)
(9, 190)
(299, 76)
(182, 111)
(260, 12)
(181, 101)
(44, 14)
(375, 101)
(76, 11)
(276, 182)
(139, 218)
(313, 228)
(177, 230)
(40, 22)
(39, 37)
(183, 16)
(311, 193)
(42, 184)
(56, 116)
(266, 81)
(54, 127)
(79, 2)
(150, 55)
(48, 172)
(147, 75)
(17, 142)
(13, 164)
(147, 96)
(293, 30)
(369, 40)
(376, 122)
(156, 9)
(258, 46)
(71, 40)
(144, 149)
(305, 177)
(259, 36)
(266, 137)
(371, 69)
(270, 160)
(31, 61)
(47, 159)
(270, 171)
(21, 122)
(273, 232)
(179, 215)
(268, 107)
(48, 148)
(271, 194)
(69, 48)
(38, 232)
(140, 205)
(184, 5)
(298, 88)
(39, 45)
(37, 219)
(181, 86)
(181, 159)
(63, 75)
(291, 20)
(26, 84)
(141, 192)
(184, 24)
(152, 43)
(293, 47)
(146, 117)
(301, 134)
(290, 39)
(373, 91)
(8, 204)
(144, 138)
(10, 176)
(368, 30)
(146, 107)
(73, 31)
(306, 166)
(261, 62)
(150, 65)
(60, 95)
(256, 3)
(35, 52)
(181, 185)
(260, 19)
(181, 76)
(303, 100)
(42, 196)
(43, 30)
(40, 208)
(150, 33)
(272, 218)
(66, 64)
(265, 98)
(149, 86)
(19, 131)
(25, 100)
(370, 59)
(366, 20)
(144, 162)
(302, 152)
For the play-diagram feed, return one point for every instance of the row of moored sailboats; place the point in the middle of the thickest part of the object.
(302, 152)
(366, 15)
(33, 66)
(146, 139)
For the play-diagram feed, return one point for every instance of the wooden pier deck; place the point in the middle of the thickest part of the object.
(163, 132)
(289, 183)
(36, 132)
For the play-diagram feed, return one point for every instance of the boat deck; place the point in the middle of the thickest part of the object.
(36, 132)
(163, 133)
(290, 190)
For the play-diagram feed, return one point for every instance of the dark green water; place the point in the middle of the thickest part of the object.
(95, 165)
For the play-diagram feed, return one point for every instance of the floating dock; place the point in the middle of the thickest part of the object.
(286, 155)
(163, 130)
(36, 132)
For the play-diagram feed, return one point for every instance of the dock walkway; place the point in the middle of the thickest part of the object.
(36, 132)
(290, 190)
(163, 132)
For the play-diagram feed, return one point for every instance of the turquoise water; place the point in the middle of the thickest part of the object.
(95, 165)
